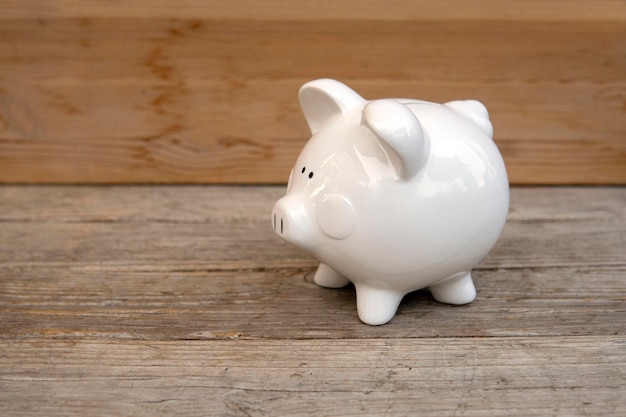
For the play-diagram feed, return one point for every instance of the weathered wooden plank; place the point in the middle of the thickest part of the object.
(252, 204)
(200, 228)
(438, 377)
(144, 204)
(103, 93)
(74, 302)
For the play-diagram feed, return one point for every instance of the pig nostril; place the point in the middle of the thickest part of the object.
(281, 225)
(274, 221)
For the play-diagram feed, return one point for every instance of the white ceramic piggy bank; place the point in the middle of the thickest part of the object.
(394, 195)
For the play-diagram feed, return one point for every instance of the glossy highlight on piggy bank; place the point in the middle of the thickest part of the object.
(394, 195)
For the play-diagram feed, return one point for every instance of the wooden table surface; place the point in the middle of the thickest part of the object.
(162, 300)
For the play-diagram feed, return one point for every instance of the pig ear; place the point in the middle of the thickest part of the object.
(399, 132)
(324, 99)
(475, 111)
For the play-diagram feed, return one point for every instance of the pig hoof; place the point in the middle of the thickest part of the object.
(376, 306)
(457, 289)
(327, 277)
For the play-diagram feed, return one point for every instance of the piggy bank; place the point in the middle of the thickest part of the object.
(394, 195)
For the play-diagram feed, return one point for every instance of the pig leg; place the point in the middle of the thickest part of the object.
(376, 306)
(327, 277)
(456, 289)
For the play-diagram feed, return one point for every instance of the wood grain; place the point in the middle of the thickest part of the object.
(473, 376)
(230, 225)
(396, 10)
(281, 304)
(154, 300)
(205, 92)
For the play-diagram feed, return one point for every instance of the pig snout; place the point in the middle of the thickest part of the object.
(300, 224)
(290, 220)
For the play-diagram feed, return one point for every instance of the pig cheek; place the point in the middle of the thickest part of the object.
(336, 217)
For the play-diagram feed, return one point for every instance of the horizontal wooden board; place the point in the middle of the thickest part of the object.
(419, 10)
(229, 227)
(200, 145)
(205, 92)
(186, 304)
(471, 377)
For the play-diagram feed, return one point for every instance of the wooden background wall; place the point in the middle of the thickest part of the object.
(202, 91)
